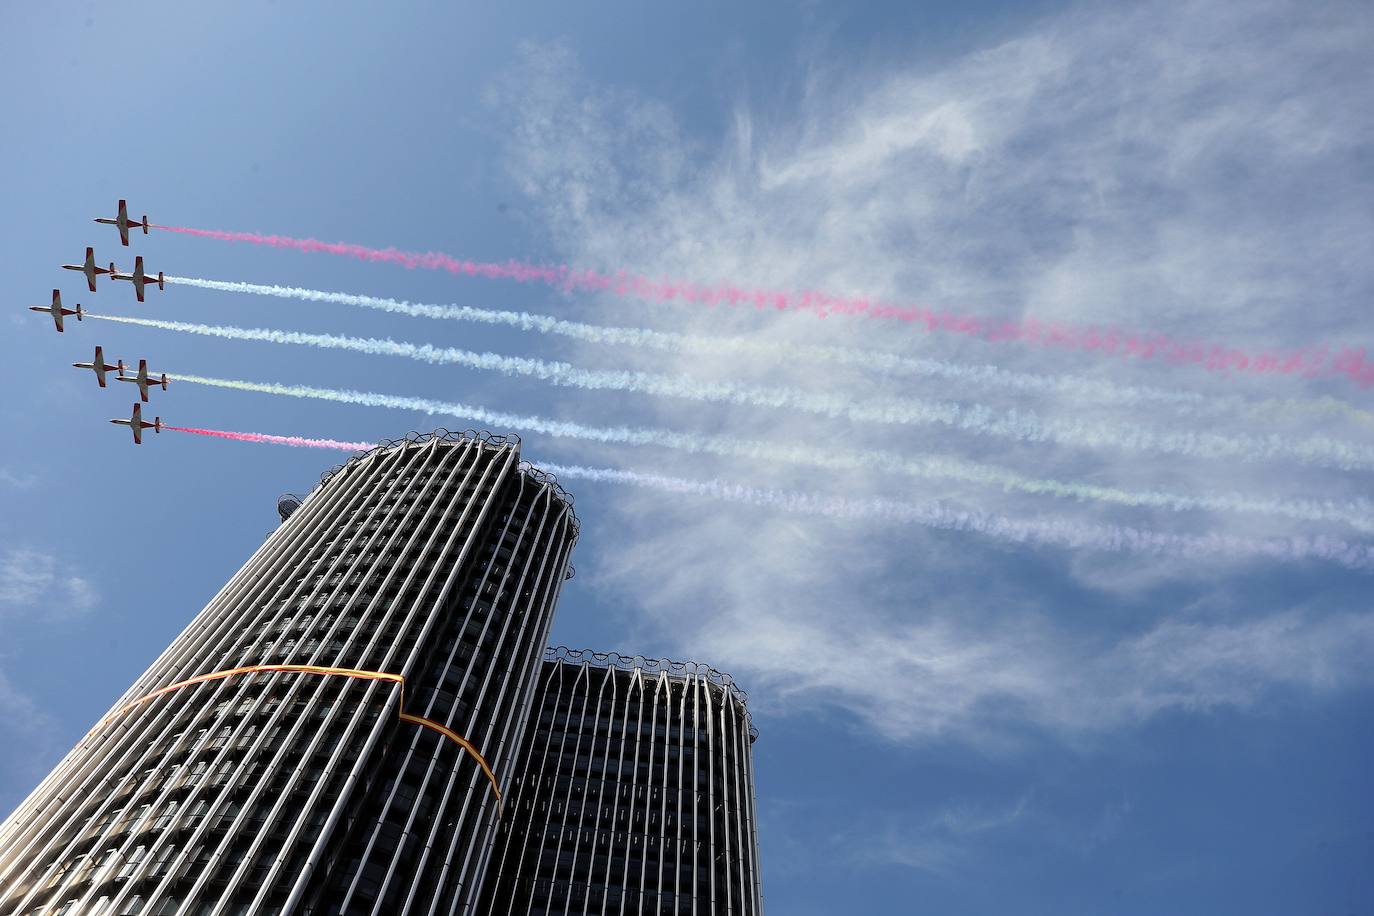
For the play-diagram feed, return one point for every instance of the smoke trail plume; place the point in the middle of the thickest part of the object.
(935, 467)
(1054, 533)
(296, 441)
(1308, 362)
(878, 362)
(1022, 426)
(1059, 533)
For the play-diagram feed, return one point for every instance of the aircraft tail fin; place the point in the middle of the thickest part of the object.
(161, 281)
(145, 224)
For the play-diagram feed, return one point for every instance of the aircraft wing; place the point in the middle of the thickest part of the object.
(123, 218)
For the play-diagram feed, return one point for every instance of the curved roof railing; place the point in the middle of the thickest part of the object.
(478, 435)
(419, 438)
(648, 665)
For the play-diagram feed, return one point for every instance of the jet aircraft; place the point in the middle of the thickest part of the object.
(90, 270)
(140, 279)
(138, 424)
(122, 221)
(143, 381)
(101, 367)
(56, 310)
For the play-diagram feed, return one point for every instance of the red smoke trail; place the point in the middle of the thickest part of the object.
(1307, 362)
(297, 441)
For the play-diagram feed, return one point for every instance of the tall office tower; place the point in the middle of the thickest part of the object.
(334, 789)
(633, 793)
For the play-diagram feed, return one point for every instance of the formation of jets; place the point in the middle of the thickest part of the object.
(140, 278)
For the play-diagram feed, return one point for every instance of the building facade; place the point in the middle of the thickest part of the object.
(633, 793)
(403, 608)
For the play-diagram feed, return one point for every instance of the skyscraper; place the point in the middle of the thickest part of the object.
(633, 793)
(331, 733)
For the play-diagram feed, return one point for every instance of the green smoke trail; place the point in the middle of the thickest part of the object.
(933, 467)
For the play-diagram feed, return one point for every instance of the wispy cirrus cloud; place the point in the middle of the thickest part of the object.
(34, 591)
(956, 836)
(31, 580)
(1178, 166)
(16, 480)
(967, 652)
(939, 842)
(18, 712)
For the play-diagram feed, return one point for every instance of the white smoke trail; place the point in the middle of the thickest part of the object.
(1060, 533)
(1023, 426)
(929, 467)
(888, 365)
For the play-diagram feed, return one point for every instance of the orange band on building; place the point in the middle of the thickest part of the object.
(397, 679)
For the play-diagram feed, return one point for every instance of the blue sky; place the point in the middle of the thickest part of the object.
(949, 723)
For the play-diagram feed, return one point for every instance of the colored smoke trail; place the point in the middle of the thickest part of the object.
(1019, 425)
(888, 365)
(1307, 362)
(296, 441)
(935, 467)
(1054, 533)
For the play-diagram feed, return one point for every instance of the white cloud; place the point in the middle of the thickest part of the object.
(1189, 168)
(964, 654)
(18, 713)
(27, 736)
(33, 579)
(955, 837)
(941, 841)
(25, 576)
(80, 593)
(35, 588)
(18, 481)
